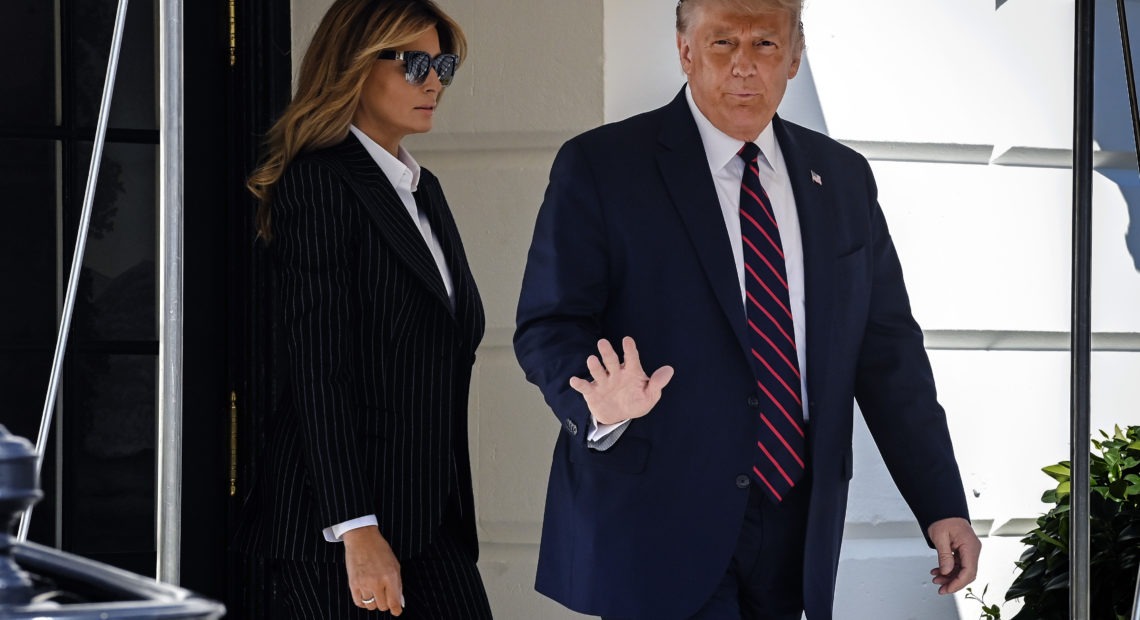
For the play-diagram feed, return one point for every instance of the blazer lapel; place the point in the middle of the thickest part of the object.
(387, 211)
(813, 206)
(685, 169)
(468, 305)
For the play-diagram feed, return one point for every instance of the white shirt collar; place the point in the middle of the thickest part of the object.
(402, 170)
(721, 148)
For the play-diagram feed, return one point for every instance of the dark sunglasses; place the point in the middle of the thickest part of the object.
(417, 65)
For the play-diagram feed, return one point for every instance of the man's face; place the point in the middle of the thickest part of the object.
(739, 66)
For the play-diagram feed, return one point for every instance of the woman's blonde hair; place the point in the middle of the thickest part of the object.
(333, 73)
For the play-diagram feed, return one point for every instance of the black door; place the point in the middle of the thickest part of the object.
(99, 473)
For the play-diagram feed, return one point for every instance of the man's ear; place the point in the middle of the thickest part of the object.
(795, 67)
(684, 52)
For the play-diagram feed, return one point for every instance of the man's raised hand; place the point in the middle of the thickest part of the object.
(620, 391)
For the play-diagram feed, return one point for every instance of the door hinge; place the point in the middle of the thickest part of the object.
(233, 443)
(233, 34)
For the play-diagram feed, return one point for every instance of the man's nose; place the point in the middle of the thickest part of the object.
(744, 62)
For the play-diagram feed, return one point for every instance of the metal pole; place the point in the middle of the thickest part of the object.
(1129, 75)
(1080, 433)
(1136, 600)
(168, 526)
(1130, 78)
(77, 257)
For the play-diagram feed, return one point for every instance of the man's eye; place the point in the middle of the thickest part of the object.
(765, 43)
(722, 42)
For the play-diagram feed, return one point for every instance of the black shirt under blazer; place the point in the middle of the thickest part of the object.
(378, 362)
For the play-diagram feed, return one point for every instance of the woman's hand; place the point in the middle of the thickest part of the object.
(373, 571)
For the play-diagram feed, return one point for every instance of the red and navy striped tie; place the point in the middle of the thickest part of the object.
(771, 337)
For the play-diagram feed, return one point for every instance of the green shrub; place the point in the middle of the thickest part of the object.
(989, 612)
(1114, 507)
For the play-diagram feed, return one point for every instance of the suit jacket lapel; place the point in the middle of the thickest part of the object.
(813, 206)
(387, 211)
(685, 169)
(468, 305)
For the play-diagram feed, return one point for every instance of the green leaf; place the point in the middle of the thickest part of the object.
(1114, 520)
(1059, 582)
(1059, 472)
(1052, 541)
(1063, 488)
(1128, 534)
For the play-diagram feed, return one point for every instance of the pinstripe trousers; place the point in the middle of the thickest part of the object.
(442, 583)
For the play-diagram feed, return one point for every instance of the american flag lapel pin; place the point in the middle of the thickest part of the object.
(815, 178)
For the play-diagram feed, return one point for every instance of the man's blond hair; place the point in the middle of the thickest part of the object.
(795, 8)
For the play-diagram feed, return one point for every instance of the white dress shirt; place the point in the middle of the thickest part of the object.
(727, 171)
(404, 174)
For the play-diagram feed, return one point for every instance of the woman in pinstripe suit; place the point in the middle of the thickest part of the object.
(368, 476)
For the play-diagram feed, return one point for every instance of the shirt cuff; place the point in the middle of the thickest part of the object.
(602, 437)
(335, 532)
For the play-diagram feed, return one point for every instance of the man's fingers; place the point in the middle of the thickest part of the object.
(940, 537)
(660, 379)
(965, 577)
(609, 356)
(946, 562)
(597, 371)
(580, 385)
(958, 551)
(630, 355)
(968, 554)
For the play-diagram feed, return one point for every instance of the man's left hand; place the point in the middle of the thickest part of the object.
(958, 550)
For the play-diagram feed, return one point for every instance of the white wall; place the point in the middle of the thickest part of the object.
(965, 110)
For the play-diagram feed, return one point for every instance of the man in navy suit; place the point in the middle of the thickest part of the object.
(744, 263)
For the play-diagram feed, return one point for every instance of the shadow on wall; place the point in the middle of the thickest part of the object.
(1129, 184)
(801, 101)
(1113, 119)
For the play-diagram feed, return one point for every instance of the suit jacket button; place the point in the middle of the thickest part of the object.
(571, 426)
(753, 402)
(743, 481)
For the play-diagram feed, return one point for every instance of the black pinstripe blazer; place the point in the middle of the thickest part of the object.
(378, 362)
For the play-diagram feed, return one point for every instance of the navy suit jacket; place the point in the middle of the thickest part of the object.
(630, 241)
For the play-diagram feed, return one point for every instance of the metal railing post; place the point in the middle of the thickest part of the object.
(168, 516)
(1080, 433)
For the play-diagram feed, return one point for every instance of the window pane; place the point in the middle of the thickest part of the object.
(27, 242)
(109, 471)
(27, 62)
(117, 295)
(23, 382)
(92, 26)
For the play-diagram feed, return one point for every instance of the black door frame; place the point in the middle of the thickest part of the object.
(238, 77)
